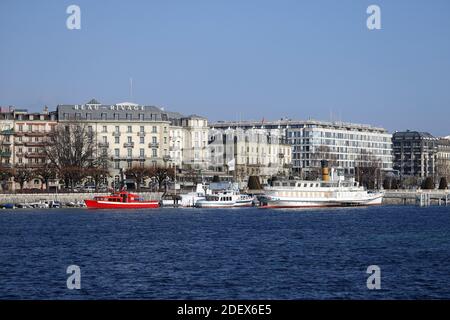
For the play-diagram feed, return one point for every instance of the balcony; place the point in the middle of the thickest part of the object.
(116, 134)
(7, 132)
(5, 154)
(103, 144)
(141, 134)
(35, 143)
(35, 133)
(5, 142)
(128, 145)
(153, 145)
(35, 155)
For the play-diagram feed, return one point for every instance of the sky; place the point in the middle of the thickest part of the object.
(235, 59)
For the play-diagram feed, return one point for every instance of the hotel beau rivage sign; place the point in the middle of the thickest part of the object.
(114, 107)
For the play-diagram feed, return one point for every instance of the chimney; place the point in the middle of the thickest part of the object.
(325, 170)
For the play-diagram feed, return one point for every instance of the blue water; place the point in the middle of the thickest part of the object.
(226, 254)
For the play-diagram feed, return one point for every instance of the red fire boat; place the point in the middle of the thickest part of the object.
(121, 200)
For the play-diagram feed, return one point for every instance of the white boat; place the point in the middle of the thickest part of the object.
(320, 193)
(185, 200)
(225, 199)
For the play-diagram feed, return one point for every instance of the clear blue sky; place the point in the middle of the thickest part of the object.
(230, 59)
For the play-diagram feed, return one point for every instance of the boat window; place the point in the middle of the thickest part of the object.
(285, 184)
(292, 184)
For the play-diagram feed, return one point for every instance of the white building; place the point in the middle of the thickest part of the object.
(345, 145)
(142, 135)
(246, 152)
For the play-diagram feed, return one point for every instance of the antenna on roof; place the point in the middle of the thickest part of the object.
(131, 89)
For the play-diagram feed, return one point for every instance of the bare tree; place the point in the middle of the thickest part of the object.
(5, 175)
(71, 148)
(45, 173)
(22, 174)
(139, 174)
(161, 174)
(368, 170)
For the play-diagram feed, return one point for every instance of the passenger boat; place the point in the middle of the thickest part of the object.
(225, 199)
(187, 199)
(121, 200)
(320, 193)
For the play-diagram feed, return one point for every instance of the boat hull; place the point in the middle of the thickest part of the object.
(309, 203)
(95, 204)
(223, 204)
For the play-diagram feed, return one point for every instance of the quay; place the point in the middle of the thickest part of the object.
(64, 197)
(421, 198)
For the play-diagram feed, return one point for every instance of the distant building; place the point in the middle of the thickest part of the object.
(245, 152)
(415, 153)
(130, 134)
(345, 145)
(443, 158)
(22, 139)
(142, 135)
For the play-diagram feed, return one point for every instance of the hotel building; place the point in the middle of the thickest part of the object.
(135, 134)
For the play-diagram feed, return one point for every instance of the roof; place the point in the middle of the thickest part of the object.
(93, 110)
(413, 135)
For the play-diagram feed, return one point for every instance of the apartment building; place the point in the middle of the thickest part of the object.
(249, 151)
(345, 145)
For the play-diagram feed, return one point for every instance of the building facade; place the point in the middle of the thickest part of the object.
(23, 137)
(141, 135)
(346, 146)
(443, 158)
(249, 151)
(415, 154)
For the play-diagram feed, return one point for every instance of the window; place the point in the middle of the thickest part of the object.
(154, 153)
(165, 139)
(141, 140)
(116, 116)
(104, 139)
(116, 152)
(130, 152)
(141, 153)
(154, 140)
(116, 128)
(129, 116)
(129, 139)
(103, 117)
(104, 129)
(129, 164)
(116, 139)
(154, 130)
(141, 129)
(129, 129)
(116, 165)
(141, 116)
(20, 127)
